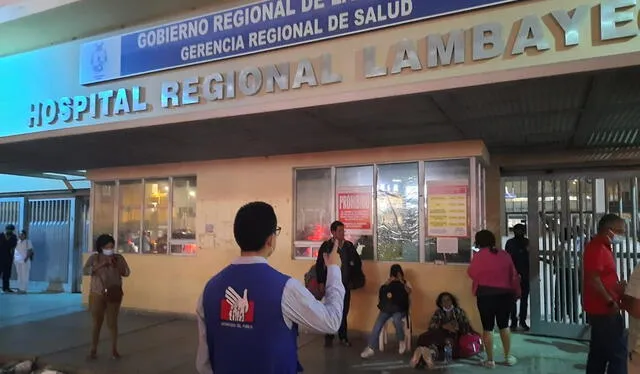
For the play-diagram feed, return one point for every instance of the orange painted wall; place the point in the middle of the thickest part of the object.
(173, 283)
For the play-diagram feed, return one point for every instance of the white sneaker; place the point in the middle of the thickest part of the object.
(402, 347)
(510, 360)
(367, 353)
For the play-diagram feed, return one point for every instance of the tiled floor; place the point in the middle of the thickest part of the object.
(54, 328)
(17, 309)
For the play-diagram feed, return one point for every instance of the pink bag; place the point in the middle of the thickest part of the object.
(469, 345)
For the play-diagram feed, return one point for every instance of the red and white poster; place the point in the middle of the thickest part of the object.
(447, 213)
(355, 209)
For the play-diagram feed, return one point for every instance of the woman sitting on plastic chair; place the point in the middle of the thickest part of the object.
(448, 324)
(393, 304)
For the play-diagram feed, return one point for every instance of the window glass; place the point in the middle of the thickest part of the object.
(156, 216)
(313, 213)
(129, 216)
(183, 224)
(104, 195)
(397, 213)
(447, 195)
(354, 202)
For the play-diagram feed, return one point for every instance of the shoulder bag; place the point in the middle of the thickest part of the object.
(112, 294)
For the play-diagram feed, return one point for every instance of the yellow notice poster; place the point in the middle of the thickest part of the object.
(447, 210)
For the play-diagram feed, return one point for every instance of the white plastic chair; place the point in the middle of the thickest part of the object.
(408, 330)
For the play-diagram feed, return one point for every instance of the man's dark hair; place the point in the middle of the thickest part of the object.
(520, 227)
(608, 222)
(335, 225)
(9, 227)
(254, 224)
(486, 239)
(102, 241)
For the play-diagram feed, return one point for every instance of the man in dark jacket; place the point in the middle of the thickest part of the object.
(351, 264)
(518, 248)
(8, 242)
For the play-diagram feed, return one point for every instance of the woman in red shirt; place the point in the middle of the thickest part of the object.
(496, 285)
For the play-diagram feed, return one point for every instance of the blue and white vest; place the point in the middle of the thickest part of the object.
(246, 331)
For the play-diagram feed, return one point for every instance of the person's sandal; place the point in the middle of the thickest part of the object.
(510, 360)
(488, 364)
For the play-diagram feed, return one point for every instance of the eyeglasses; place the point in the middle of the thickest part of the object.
(277, 231)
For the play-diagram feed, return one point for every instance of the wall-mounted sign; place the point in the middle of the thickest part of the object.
(354, 209)
(447, 210)
(253, 28)
(492, 40)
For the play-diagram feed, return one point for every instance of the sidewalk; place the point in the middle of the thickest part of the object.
(162, 344)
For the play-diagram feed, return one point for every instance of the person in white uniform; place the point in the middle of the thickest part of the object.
(23, 256)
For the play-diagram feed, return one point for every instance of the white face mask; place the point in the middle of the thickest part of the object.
(617, 239)
(107, 252)
(448, 309)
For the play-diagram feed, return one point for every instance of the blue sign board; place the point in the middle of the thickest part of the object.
(253, 28)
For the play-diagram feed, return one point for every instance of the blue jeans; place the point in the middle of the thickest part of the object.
(379, 325)
(608, 345)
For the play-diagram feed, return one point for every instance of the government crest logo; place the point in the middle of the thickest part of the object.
(236, 308)
(99, 59)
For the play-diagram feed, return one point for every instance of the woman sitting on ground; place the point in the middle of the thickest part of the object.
(393, 304)
(448, 323)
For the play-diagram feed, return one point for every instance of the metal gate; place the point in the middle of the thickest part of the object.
(51, 230)
(563, 213)
(11, 212)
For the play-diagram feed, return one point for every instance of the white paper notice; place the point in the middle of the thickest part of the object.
(447, 245)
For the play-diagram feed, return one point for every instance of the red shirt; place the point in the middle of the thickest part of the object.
(599, 259)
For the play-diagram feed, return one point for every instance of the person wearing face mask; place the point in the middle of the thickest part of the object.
(8, 243)
(602, 298)
(22, 260)
(251, 307)
(106, 269)
(448, 323)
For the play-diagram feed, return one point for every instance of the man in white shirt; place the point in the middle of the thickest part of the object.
(250, 307)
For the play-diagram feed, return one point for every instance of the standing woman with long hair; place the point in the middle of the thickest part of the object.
(496, 285)
(106, 269)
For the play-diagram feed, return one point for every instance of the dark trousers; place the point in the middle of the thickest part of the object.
(608, 345)
(524, 304)
(5, 270)
(342, 332)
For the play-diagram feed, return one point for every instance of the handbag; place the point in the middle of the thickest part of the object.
(469, 345)
(111, 294)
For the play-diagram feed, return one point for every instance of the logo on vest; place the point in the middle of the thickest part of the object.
(236, 311)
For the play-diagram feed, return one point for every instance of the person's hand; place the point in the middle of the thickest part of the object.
(623, 286)
(336, 245)
(388, 281)
(332, 258)
(451, 326)
(614, 307)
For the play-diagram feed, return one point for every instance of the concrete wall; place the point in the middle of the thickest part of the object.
(173, 283)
